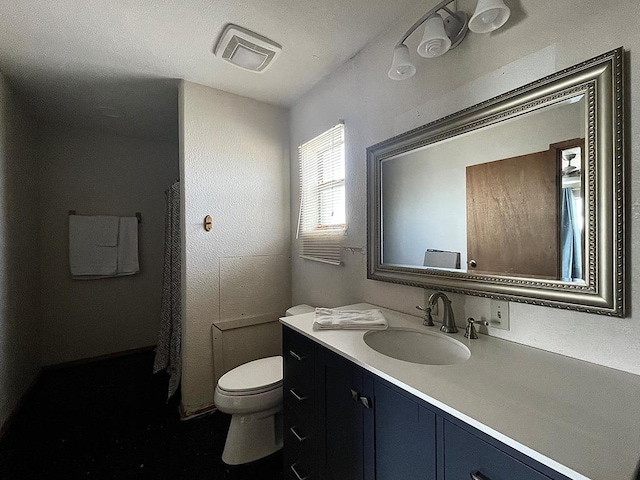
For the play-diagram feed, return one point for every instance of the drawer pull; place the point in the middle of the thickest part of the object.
(354, 395)
(295, 472)
(296, 356)
(300, 437)
(366, 402)
(478, 476)
(297, 396)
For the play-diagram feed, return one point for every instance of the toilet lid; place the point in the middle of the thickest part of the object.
(259, 375)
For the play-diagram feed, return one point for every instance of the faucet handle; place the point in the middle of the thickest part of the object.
(428, 319)
(470, 332)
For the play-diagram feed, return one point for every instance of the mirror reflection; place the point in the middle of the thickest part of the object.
(506, 199)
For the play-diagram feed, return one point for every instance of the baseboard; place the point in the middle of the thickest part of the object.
(197, 413)
(107, 356)
(7, 422)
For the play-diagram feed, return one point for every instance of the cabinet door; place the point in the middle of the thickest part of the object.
(468, 457)
(340, 419)
(405, 437)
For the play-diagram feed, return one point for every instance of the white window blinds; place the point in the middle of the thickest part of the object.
(322, 221)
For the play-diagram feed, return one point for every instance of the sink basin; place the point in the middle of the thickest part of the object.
(424, 347)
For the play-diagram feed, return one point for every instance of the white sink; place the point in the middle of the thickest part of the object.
(424, 347)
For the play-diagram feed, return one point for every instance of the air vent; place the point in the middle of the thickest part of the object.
(246, 49)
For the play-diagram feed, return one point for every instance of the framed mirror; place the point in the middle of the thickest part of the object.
(520, 197)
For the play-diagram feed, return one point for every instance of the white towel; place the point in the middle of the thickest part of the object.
(128, 246)
(327, 318)
(93, 245)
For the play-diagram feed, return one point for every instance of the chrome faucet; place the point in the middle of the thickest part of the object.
(427, 320)
(448, 320)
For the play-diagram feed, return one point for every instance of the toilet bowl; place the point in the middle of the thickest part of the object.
(252, 395)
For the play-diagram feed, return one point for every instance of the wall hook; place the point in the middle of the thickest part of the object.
(208, 223)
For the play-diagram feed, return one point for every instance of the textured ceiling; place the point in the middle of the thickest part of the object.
(68, 56)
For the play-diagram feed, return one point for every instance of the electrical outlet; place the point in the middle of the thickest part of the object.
(499, 314)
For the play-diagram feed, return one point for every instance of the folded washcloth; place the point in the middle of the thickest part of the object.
(327, 318)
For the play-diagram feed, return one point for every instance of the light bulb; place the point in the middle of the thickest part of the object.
(489, 16)
(434, 41)
(405, 70)
(401, 67)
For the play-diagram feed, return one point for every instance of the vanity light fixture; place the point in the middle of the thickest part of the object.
(435, 41)
(441, 35)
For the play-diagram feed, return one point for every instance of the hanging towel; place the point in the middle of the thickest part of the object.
(93, 245)
(168, 351)
(128, 247)
(570, 239)
(327, 319)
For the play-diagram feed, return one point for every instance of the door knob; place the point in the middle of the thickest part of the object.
(473, 263)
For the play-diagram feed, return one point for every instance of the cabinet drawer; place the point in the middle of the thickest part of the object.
(299, 359)
(299, 438)
(300, 400)
(468, 457)
(298, 471)
(299, 370)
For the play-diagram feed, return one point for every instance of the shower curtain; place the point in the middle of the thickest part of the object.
(168, 351)
(571, 239)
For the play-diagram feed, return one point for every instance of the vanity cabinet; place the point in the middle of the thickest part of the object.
(345, 423)
(300, 404)
(342, 423)
(345, 419)
(467, 456)
(405, 436)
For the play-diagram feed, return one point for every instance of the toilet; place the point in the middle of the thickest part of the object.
(252, 395)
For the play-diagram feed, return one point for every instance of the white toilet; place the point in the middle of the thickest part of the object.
(252, 395)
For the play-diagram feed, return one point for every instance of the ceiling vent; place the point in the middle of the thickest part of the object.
(246, 49)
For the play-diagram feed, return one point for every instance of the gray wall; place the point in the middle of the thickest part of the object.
(19, 258)
(542, 36)
(96, 173)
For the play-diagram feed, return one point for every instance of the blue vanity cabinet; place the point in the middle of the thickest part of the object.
(341, 422)
(345, 419)
(345, 423)
(370, 429)
(405, 436)
(300, 404)
(467, 456)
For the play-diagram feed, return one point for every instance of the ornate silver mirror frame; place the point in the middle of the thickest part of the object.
(600, 80)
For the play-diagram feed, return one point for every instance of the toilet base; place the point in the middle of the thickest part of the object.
(252, 437)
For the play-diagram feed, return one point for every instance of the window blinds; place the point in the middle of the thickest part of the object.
(322, 221)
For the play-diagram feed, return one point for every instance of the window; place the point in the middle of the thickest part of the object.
(322, 220)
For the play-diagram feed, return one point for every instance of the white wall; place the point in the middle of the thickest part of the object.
(234, 167)
(97, 173)
(566, 32)
(19, 297)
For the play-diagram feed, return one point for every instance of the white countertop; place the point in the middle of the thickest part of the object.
(578, 418)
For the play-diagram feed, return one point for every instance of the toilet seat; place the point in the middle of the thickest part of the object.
(253, 378)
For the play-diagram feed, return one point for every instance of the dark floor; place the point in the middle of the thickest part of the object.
(110, 420)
